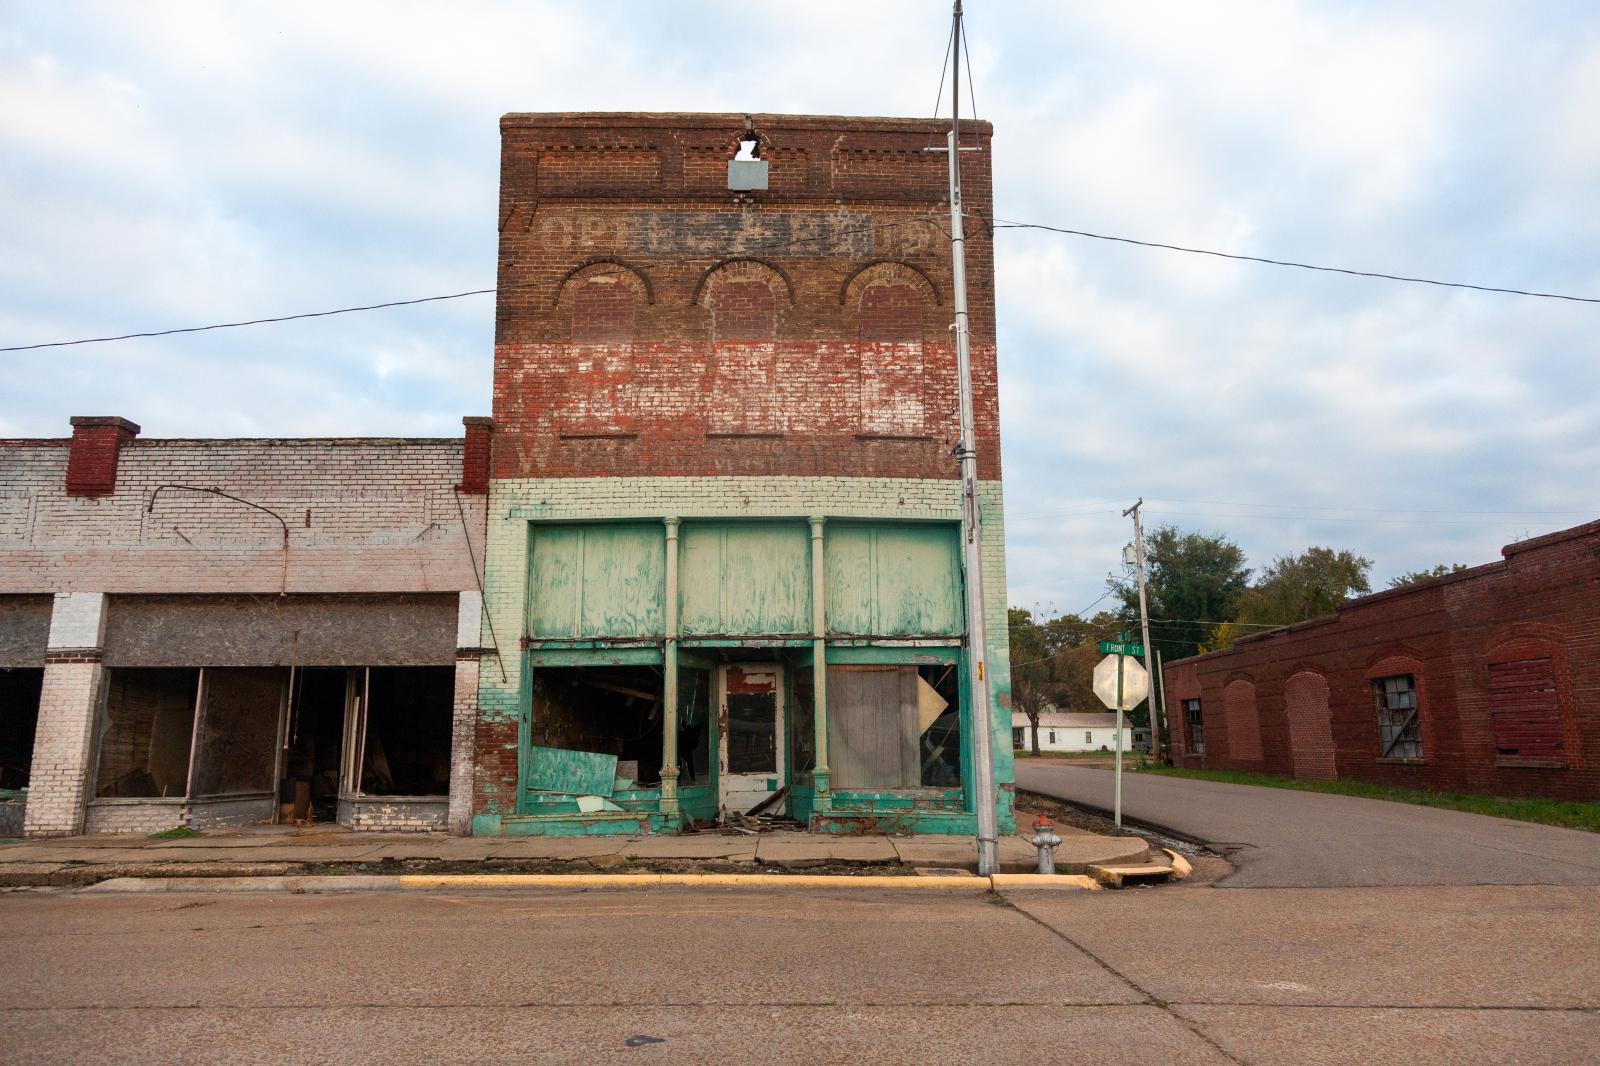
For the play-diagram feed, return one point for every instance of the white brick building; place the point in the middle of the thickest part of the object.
(213, 632)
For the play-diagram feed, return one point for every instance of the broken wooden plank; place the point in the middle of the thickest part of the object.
(1120, 876)
(581, 773)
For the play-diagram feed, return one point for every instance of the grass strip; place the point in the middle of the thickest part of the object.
(1568, 814)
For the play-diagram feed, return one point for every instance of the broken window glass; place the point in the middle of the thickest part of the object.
(694, 725)
(146, 726)
(407, 742)
(603, 710)
(1399, 731)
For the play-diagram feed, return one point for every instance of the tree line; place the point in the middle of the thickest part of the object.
(1202, 597)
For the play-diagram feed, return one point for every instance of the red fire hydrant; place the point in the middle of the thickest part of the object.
(1045, 839)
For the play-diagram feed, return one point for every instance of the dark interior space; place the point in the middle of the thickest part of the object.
(406, 745)
(145, 732)
(695, 701)
(19, 720)
(309, 790)
(607, 710)
(940, 745)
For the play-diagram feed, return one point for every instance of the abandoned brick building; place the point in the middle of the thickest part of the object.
(226, 632)
(723, 518)
(1483, 681)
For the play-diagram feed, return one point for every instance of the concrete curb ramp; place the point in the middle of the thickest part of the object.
(583, 882)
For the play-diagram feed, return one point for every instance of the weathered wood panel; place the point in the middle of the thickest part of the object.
(893, 580)
(745, 579)
(597, 581)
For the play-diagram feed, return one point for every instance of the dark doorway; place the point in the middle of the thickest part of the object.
(19, 721)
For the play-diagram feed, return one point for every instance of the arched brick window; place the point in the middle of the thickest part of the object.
(1402, 715)
(1531, 712)
(596, 393)
(743, 311)
(1305, 699)
(1244, 726)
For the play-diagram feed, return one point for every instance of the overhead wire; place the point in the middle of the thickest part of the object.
(1001, 223)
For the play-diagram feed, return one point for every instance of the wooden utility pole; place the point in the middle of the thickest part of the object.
(1144, 627)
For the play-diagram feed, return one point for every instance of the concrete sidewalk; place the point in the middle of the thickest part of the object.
(286, 850)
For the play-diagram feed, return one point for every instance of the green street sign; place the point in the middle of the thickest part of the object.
(1111, 647)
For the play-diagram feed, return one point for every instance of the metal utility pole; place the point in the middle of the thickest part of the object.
(984, 801)
(1144, 626)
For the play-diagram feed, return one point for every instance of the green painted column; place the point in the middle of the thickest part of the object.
(819, 668)
(669, 710)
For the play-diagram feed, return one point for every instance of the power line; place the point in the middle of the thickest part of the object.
(1106, 507)
(1004, 224)
(774, 246)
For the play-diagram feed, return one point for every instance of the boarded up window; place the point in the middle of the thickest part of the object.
(604, 311)
(890, 727)
(743, 311)
(597, 581)
(1244, 727)
(893, 580)
(1524, 709)
(235, 749)
(1305, 697)
(746, 579)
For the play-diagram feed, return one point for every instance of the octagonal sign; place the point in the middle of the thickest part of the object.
(1135, 681)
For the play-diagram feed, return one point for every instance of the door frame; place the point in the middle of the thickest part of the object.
(780, 772)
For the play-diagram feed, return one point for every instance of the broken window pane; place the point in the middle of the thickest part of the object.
(752, 733)
(406, 749)
(145, 730)
(802, 720)
(1196, 725)
(611, 711)
(939, 717)
(312, 762)
(694, 725)
(1399, 731)
(19, 720)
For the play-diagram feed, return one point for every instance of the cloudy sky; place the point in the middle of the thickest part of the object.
(176, 164)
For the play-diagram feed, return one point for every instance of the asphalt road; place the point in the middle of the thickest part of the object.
(1279, 838)
(1179, 973)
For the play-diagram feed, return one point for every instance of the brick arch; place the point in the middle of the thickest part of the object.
(887, 271)
(1532, 713)
(1305, 701)
(606, 266)
(741, 269)
(1243, 720)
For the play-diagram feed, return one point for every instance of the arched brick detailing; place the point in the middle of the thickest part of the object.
(742, 269)
(887, 271)
(1305, 700)
(1244, 725)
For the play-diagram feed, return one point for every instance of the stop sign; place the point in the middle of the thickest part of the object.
(1135, 682)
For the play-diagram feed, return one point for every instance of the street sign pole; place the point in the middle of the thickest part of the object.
(1116, 808)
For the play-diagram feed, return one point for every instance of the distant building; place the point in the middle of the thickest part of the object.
(1484, 681)
(1065, 731)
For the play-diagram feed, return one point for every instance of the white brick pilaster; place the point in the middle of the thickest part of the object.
(64, 744)
(464, 720)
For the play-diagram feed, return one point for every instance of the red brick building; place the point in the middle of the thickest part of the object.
(1484, 681)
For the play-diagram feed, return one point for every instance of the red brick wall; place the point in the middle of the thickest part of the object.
(652, 322)
(1542, 600)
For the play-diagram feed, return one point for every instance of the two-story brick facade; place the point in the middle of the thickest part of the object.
(724, 515)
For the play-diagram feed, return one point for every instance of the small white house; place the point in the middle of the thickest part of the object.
(1064, 731)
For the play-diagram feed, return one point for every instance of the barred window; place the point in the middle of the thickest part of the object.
(1399, 729)
(1196, 726)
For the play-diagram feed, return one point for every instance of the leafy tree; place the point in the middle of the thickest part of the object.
(1425, 575)
(1295, 588)
(1053, 663)
(1193, 581)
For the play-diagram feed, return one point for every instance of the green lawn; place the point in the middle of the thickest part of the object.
(1572, 815)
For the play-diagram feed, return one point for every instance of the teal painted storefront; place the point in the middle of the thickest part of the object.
(591, 584)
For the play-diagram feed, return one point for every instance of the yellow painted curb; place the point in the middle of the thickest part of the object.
(1078, 881)
(649, 880)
